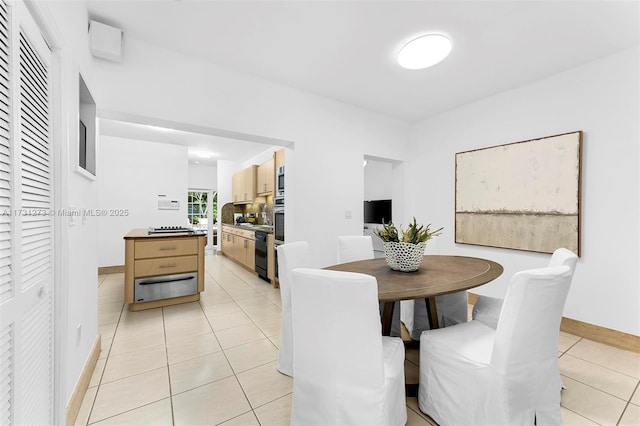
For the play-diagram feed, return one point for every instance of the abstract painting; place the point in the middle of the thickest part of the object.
(522, 195)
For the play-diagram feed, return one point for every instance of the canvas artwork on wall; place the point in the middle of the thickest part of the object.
(522, 195)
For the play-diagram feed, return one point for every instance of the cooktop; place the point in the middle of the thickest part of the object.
(168, 229)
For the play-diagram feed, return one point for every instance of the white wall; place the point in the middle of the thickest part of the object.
(133, 174)
(601, 99)
(330, 138)
(203, 177)
(378, 180)
(262, 157)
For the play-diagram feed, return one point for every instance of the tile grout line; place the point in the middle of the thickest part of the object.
(166, 352)
(235, 374)
(106, 360)
(627, 404)
(245, 312)
(270, 402)
(578, 414)
(570, 347)
(603, 366)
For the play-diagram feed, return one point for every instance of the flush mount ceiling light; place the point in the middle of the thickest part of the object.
(202, 154)
(424, 51)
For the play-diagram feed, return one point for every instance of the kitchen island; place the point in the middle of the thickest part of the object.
(163, 269)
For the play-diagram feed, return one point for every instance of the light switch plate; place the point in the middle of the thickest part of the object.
(72, 216)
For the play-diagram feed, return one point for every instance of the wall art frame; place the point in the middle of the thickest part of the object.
(522, 195)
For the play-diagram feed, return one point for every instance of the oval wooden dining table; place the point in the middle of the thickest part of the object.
(437, 275)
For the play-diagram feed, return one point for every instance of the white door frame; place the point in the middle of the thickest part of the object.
(210, 224)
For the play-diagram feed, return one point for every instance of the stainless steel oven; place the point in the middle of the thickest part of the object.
(165, 287)
(278, 224)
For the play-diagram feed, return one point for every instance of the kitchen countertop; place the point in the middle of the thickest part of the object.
(144, 233)
(250, 227)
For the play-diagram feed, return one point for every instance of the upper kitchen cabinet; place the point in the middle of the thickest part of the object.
(279, 158)
(266, 177)
(243, 185)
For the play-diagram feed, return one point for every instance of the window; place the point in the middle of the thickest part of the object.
(198, 208)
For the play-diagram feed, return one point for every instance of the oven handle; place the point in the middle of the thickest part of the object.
(165, 280)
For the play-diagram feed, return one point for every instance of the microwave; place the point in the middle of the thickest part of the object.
(280, 181)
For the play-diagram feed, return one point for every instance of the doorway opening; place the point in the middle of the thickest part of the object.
(202, 213)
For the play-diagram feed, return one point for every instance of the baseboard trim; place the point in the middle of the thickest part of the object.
(104, 270)
(73, 407)
(608, 336)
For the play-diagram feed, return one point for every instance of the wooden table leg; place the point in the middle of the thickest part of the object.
(411, 389)
(387, 318)
(432, 312)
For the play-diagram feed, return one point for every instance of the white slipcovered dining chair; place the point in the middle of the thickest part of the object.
(352, 248)
(472, 374)
(487, 309)
(343, 375)
(290, 256)
(452, 308)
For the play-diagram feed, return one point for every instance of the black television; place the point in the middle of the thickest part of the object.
(377, 211)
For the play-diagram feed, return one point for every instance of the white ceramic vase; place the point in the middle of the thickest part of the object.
(404, 257)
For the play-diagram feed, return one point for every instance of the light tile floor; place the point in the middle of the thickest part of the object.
(214, 362)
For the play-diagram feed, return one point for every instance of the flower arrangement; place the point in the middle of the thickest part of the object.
(414, 233)
(405, 254)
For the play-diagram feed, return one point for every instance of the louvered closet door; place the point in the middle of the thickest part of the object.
(26, 227)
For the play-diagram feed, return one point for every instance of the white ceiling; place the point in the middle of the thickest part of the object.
(346, 50)
(203, 149)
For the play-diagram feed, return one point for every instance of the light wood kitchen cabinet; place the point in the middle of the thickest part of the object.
(239, 245)
(150, 260)
(266, 177)
(237, 251)
(237, 187)
(243, 185)
(250, 253)
(229, 245)
(225, 243)
(279, 158)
